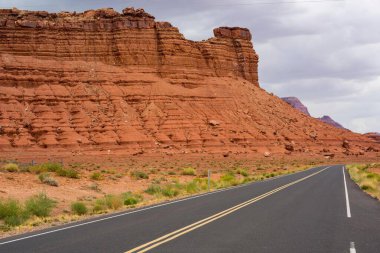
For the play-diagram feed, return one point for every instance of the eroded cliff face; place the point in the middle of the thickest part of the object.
(122, 80)
(132, 39)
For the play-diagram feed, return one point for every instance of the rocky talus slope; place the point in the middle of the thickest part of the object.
(103, 79)
(374, 135)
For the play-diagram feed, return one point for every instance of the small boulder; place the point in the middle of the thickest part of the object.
(346, 144)
(289, 147)
(213, 122)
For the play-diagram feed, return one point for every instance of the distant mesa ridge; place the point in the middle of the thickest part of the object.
(297, 104)
(104, 80)
(329, 120)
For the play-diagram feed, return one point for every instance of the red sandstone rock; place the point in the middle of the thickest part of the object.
(374, 135)
(103, 80)
(233, 33)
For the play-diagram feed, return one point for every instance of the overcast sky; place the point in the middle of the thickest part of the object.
(327, 53)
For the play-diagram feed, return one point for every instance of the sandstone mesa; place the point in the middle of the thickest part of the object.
(106, 80)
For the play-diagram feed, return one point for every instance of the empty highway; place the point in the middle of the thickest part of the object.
(318, 210)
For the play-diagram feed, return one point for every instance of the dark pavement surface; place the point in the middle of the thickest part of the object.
(309, 216)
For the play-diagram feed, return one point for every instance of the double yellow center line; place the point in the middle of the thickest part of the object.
(171, 236)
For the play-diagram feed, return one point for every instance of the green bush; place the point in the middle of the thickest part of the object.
(39, 205)
(189, 171)
(70, 173)
(131, 199)
(79, 208)
(45, 167)
(114, 202)
(46, 179)
(96, 176)
(12, 212)
(170, 191)
(100, 205)
(11, 167)
(153, 189)
(139, 175)
(243, 172)
(366, 187)
(192, 187)
(228, 179)
(52, 167)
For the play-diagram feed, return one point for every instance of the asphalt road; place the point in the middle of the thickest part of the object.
(305, 212)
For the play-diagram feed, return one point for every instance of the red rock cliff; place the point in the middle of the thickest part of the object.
(103, 78)
(131, 39)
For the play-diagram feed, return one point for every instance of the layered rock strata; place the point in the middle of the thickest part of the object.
(124, 81)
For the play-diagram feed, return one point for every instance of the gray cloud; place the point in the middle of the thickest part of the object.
(325, 53)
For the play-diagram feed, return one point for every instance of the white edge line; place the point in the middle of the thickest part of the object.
(352, 247)
(346, 193)
(148, 208)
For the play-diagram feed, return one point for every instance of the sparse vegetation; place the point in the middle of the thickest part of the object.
(12, 213)
(242, 172)
(153, 189)
(79, 208)
(189, 171)
(39, 205)
(57, 168)
(45, 178)
(367, 180)
(171, 190)
(131, 199)
(185, 178)
(11, 167)
(139, 175)
(96, 176)
(45, 167)
(70, 173)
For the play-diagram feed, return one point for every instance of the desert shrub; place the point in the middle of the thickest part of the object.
(171, 173)
(100, 205)
(370, 175)
(96, 176)
(45, 178)
(139, 175)
(94, 187)
(45, 167)
(70, 173)
(52, 167)
(367, 181)
(114, 202)
(242, 172)
(170, 191)
(366, 187)
(39, 205)
(11, 167)
(12, 212)
(79, 208)
(189, 171)
(131, 199)
(192, 187)
(228, 179)
(153, 189)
